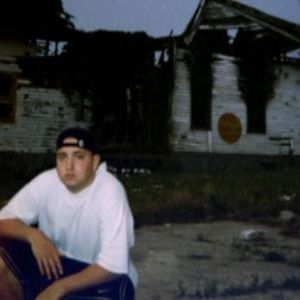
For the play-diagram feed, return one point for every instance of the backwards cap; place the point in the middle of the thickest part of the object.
(84, 139)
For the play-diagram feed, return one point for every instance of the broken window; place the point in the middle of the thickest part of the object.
(201, 102)
(7, 97)
(258, 77)
(256, 117)
(199, 62)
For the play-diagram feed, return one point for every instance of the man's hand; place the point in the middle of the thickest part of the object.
(46, 254)
(44, 250)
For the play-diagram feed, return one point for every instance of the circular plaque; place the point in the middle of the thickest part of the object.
(230, 128)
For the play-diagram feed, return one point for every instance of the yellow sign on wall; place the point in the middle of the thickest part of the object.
(230, 128)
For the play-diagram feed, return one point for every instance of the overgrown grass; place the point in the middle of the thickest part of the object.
(185, 197)
(169, 194)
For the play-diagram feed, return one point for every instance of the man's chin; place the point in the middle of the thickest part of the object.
(75, 184)
(71, 185)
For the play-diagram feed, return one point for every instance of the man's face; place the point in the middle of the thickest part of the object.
(76, 167)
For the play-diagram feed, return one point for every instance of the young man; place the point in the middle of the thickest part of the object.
(67, 234)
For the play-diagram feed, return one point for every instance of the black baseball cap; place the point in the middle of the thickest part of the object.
(84, 138)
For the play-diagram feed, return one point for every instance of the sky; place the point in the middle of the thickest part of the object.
(157, 17)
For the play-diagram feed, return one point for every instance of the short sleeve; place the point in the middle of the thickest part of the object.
(25, 204)
(116, 232)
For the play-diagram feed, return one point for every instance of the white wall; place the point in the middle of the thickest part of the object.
(282, 116)
(40, 115)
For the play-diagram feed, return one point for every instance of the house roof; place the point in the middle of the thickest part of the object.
(254, 28)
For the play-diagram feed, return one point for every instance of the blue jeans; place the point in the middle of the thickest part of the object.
(20, 260)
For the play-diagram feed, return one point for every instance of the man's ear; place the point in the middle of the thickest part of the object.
(96, 161)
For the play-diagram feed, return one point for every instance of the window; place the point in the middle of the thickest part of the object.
(258, 76)
(256, 116)
(199, 61)
(201, 96)
(7, 97)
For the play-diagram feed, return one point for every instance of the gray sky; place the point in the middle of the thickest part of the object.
(157, 17)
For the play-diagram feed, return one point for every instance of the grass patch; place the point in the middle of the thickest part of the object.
(182, 197)
(169, 194)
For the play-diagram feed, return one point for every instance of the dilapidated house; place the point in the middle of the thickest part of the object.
(227, 83)
(53, 76)
(236, 89)
(33, 107)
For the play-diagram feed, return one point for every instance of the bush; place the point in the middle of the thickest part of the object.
(19, 168)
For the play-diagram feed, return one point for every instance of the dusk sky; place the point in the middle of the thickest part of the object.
(157, 17)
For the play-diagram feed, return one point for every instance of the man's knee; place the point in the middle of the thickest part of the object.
(9, 284)
(5, 273)
(3, 267)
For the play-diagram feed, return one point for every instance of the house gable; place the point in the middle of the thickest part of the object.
(260, 28)
(235, 35)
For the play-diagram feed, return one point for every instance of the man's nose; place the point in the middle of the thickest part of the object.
(69, 164)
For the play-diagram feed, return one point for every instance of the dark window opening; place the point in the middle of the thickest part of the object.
(257, 81)
(201, 103)
(7, 97)
(200, 66)
(256, 117)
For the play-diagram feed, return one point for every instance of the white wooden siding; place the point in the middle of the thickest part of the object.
(282, 116)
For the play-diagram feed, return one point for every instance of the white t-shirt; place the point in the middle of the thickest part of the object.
(94, 225)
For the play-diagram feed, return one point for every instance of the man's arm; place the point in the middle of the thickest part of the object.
(49, 263)
(14, 228)
(94, 274)
(44, 250)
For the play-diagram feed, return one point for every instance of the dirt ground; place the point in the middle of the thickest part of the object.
(216, 260)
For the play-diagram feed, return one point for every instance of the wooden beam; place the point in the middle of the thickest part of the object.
(280, 26)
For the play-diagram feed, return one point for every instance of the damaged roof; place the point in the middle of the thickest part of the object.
(253, 28)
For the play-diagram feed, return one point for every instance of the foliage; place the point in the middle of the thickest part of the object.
(35, 19)
(129, 93)
(112, 76)
(18, 169)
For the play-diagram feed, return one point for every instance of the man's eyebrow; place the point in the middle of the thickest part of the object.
(80, 152)
(60, 153)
